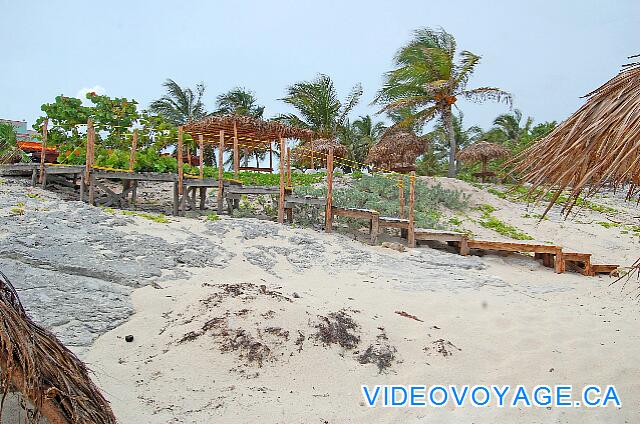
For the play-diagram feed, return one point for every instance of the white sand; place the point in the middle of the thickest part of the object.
(529, 327)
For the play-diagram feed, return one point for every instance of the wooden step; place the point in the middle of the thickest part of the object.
(580, 262)
(509, 246)
(390, 222)
(438, 235)
(604, 269)
(355, 212)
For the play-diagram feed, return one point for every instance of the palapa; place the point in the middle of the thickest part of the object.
(397, 150)
(597, 145)
(49, 375)
(483, 151)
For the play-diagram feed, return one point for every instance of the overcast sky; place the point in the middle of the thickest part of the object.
(546, 53)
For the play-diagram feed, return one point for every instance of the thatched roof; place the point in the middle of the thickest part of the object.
(397, 150)
(482, 151)
(320, 147)
(250, 130)
(49, 375)
(597, 145)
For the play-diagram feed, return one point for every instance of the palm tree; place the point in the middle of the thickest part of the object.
(239, 101)
(360, 136)
(9, 150)
(509, 125)
(179, 105)
(438, 139)
(318, 106)
(428, 80)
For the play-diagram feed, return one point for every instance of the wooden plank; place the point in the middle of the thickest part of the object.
(64, 169)
(389, 222)
(89, 158)
(354, 213)
(463, 247)
(328, 216)
(426, 234)
(297, 200)
(201, 154)
(43, 151)
(139, 176)
(603, 268)
(180, 164)
(411, 235)
(134, 146)
(513, 246)
(281, 196)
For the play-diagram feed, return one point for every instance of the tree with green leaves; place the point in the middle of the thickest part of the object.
(179, 105)
(239, 101)
(9, 150)
(318, 106)
(428, 80)
(435, 160)
(359, 136)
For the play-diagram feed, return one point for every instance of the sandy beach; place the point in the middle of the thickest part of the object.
(232, 320)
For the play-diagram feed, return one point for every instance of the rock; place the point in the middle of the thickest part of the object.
(395, 246)
(128, 338)
(310, 171)
(338, 171)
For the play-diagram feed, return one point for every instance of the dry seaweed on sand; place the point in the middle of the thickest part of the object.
(381, 353)
(442, 347)
(49, 375)
(338, 328)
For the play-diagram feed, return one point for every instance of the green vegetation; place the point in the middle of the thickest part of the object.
(34, 196)
(491, 222)
(608, 224)
(378, 192)
(521, 194)
(212, 217)
(9, 150)
(160, 218)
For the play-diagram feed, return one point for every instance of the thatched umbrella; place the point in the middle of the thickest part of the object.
(597, 145)
(397, 150)
(49, 375)
(482, 151)
(320, 149)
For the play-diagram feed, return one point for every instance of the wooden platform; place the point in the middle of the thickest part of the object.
(367, 214)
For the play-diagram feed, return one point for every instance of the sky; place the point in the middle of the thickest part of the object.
(546, 53)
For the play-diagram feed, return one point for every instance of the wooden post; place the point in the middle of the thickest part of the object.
(312, 157)
(236, 152)
(411, 236)
(43, 151)
(328, 217)
(281, 198)
(484, 170)
(401, 196)
(220, 171)
(201, 152)
(134, 146)
(89, 158)
(271, 155)
(179, 153)
(288, 167)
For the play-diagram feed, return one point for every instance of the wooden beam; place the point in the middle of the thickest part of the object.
(134, 146)
(328, 217)
(312, 156)
(411, 235)
(288, 167)
(180, 164)
(43, 150)
(282, 191)
(271, 156)
(220, 170)
(201, 153)
(236, 152)
(89, 157)
(401, 196)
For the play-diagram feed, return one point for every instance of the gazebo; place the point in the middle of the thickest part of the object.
(397, 150)
(597, 145)
(238, 131)
(483, 151)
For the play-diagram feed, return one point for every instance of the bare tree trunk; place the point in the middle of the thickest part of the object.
(448, 124)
